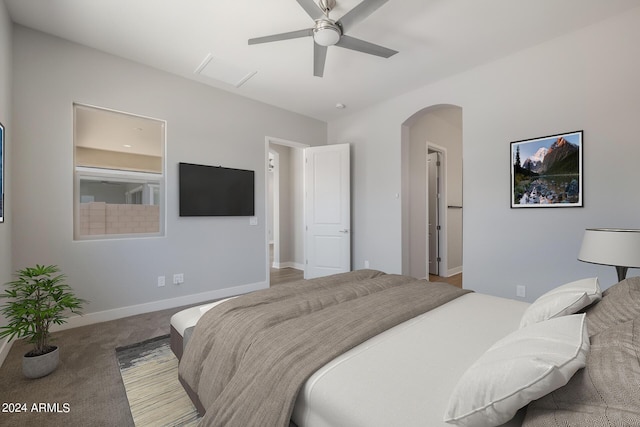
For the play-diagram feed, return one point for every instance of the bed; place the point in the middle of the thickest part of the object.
(430, 364)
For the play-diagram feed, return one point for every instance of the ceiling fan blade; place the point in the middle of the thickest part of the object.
(319, 58)
(359, 13)
(311, 8)
(282, 36)
(353, 43)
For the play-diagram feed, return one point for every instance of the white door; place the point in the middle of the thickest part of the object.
(328, 210)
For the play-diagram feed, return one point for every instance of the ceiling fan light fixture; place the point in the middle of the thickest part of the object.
(326, 33)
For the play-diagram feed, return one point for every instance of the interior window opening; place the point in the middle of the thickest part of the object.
(119, 174)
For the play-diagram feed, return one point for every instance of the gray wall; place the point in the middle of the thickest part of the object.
(585, 80)
(5, 118)
(204, 125)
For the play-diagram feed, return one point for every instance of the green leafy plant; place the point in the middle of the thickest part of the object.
(37, 299)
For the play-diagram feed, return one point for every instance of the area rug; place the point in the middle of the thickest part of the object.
(149, 371)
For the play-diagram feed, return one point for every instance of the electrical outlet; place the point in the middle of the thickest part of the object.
(178, 279)
(366, 263)
(160, 281)
(521, 291)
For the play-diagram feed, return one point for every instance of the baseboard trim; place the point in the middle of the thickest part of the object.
(4, 350)
(290, 264)
(454, 271)
(132, 310)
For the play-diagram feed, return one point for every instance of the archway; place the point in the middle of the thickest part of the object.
(437, 128)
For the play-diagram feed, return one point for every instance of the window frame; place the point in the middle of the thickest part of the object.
(153, 180)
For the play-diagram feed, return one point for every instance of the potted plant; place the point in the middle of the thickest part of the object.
(37, 299)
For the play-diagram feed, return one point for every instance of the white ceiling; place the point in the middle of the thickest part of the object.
(435, 38)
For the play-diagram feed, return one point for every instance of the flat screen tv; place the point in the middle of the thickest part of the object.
(215, 191)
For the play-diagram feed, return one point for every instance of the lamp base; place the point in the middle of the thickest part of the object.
(622, 273)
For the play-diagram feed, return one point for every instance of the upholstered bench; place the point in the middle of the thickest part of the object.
(183, 322)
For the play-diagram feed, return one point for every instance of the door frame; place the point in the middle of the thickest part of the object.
(275, 219)
(443, 268)
(268, 140)
(433, 223)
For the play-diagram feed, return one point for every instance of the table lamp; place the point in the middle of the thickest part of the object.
(611, 246)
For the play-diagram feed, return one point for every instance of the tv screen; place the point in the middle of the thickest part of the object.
(215, 191)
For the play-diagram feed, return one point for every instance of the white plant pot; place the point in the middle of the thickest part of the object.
(39, 366)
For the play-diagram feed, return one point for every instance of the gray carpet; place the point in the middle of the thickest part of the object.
(88, 377)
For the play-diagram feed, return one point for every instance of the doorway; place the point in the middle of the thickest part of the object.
(307, 196)
(432, 196)
(285, 213)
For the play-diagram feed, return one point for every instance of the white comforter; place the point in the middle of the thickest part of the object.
(404, 376)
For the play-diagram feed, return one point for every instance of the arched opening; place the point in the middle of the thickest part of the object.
(432, 174)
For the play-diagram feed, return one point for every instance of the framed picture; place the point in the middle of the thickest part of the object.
(546, 172)
(1, 173)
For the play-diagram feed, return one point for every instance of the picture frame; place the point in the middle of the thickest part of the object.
(2, 180)
(546, 172)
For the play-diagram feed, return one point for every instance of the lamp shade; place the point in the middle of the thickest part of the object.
(611, 246)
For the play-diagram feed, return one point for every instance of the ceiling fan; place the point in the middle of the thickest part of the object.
(327, 32)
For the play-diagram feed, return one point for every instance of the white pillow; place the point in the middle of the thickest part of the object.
(525, 365)
(563, 300)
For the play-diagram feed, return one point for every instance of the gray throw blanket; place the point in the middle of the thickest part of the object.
(249, 356)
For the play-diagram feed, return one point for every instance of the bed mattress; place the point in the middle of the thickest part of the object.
(405, 375)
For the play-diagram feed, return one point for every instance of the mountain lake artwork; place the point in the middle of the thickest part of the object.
(547, 171)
